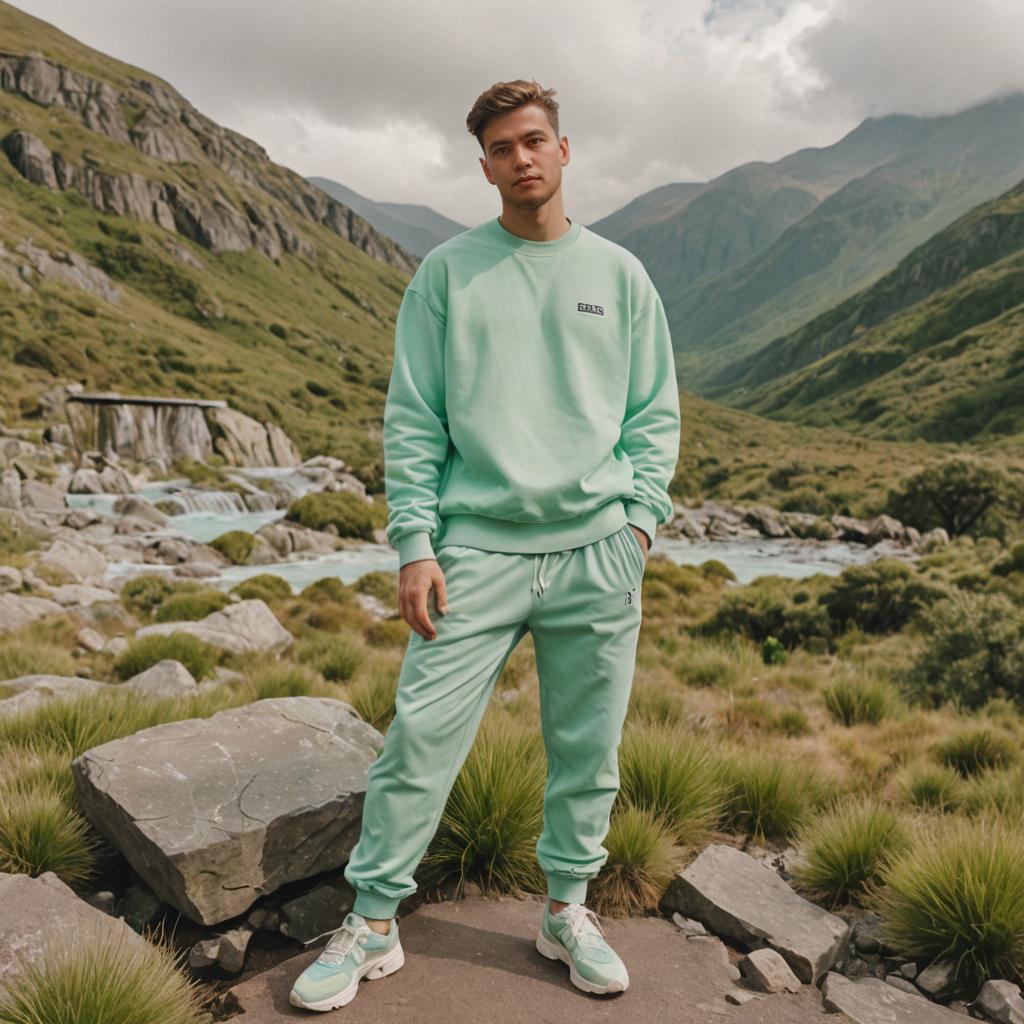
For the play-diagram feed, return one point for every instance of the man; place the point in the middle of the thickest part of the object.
(531, 430)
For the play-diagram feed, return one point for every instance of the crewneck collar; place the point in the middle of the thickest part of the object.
(528, 247)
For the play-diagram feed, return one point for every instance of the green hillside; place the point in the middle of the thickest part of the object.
(933, 350)
(235, 278)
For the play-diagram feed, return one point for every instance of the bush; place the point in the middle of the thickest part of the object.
(880, 597)
(100, 979)
(975, 651)
(267, 586)
(350, 514)
(336, 657)
(844, 848)
(199, 657)
(328, 588)
(770, 606)
(494, 813)
(374, 698)
(668, 772)
(236, 545)
(641, 863)
(957, 893)
(142, 595)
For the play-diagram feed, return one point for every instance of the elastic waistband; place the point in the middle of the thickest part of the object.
(531, 538)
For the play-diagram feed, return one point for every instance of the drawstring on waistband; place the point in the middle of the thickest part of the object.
(539, 567)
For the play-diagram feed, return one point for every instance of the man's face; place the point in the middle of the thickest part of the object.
(522, 144)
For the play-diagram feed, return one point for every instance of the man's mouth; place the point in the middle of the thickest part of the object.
(526, 181)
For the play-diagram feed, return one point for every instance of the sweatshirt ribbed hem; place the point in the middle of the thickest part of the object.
(532, 538)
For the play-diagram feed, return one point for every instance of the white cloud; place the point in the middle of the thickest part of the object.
(375, 95)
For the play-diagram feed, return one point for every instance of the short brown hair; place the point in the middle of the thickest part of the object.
(505, 96)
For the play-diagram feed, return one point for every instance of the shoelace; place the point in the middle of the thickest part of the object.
(345, 941)
(585, 925)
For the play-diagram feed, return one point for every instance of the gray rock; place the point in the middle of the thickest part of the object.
(937, 979)
(103, 900)
(16, 611)
(37, 909)
(88, 638)
(311, 915)
(10, 578)
(141, 907)
(688, 925)
(204, 953)
(901, 983)
(739, 997)
(167, 678)
(908, 971)
(214, 813)
(41, 497)
(1001, 1001)
(248, 627)
(31, 692)
(872, 1001)
(79, 563)
(232, 948)
(740, 899)
(81, 595)
(767, 971)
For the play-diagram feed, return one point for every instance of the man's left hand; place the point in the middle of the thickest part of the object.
(642, 537)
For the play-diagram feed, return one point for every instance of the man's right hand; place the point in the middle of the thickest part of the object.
(415, 582)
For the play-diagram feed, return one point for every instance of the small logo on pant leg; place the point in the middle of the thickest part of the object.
(629, 595)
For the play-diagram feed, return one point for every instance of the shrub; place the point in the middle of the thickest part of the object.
(1013, 562)
(855, 702)
(641, 863)
(770, 606)
(101, 978)
(40, 831)
(142, 595)
(773, 652)
(974, 749)
(668, 772)
(350, 514)
(844, 848)
(957, 893)
(199, 657)
(879, 597)
(494, 813)
(393, 632)
(192, 605)
(975, 651)
(267, 586)
(237, 545)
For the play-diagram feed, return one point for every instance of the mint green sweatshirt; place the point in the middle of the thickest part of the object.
(533, 403)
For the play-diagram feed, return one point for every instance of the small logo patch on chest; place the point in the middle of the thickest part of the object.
(587, 307)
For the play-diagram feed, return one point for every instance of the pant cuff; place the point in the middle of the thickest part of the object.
(566, 889)
(370, 904)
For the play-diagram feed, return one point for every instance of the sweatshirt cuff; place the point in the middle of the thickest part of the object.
(642, 516)
(414, 546)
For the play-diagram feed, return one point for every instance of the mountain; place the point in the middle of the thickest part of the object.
(761, 249)
(145, 248)
(933, 350)
(416, 228)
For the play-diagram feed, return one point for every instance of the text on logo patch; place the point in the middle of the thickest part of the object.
(586, 307)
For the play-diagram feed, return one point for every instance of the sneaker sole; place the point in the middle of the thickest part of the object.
(556, 951)
(372, 970)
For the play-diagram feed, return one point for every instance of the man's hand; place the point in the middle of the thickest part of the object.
(415, 582)
(643, 539)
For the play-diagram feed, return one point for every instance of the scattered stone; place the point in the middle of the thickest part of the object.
(938, 979)
(901, 983)
(872, 1001)
(141, 907)
(232, 948)
(17, 611)
(10, 578)
(908, 971)
(35, 910)
(167, 678)
(31, 692)
(116, 646)
(248, 627)
(103, 900)
(204, 953)
(740, 899)
(767, 971)
(77, 563)
(89, 639)
(215, 812)
(314, 913)
(688, 925)
(79, 595)
(739, 996)
(1001, 1001)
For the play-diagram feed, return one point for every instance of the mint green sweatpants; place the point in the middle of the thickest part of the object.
(582, 606)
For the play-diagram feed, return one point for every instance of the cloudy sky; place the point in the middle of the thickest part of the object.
(375, 94)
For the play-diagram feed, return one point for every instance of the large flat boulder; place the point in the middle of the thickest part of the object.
(17, 611)
(739, 898)
(214, 813)
(247, 627)
(37, 909)
(873, 1001)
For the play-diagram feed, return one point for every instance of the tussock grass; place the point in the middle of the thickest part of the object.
(844, 847)
(373, 697)
(958, 893)
(642, 861)
(725, 662)
(494, 813)
(974, 748)
(932, 787)
(860, 701)
(336, 656)
(674, 774)
(199, 657)
(101, 979)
